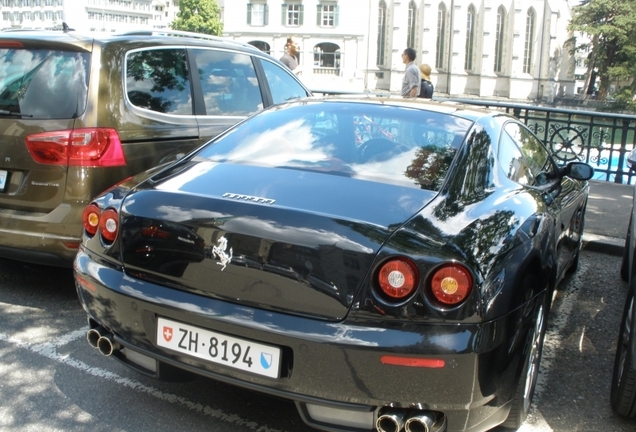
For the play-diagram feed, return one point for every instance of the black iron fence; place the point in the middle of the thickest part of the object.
(599, 138)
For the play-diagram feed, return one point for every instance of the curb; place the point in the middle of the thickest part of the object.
(604, 244)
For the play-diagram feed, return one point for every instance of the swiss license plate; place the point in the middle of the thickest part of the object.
(219, 348)
(3, 180)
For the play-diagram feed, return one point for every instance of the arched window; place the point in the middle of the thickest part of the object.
(381, 32)
(470, 38)
(263, 46)
(410, 42)
(441, 35)
(326, 58)
(500, 33)
(529, 46)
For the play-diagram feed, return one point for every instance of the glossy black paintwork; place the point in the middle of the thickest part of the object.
(304, 275)
(313, 249)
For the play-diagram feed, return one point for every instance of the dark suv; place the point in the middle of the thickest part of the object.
(79, 114)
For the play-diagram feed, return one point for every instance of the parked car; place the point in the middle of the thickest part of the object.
(623, 393)
(81, 113)
(405, 255)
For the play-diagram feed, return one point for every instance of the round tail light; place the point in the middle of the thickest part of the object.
(398, 278)
(109, 225)
(90, 219)
(451, 284)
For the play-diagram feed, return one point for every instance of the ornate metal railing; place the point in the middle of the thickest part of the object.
(599, 138)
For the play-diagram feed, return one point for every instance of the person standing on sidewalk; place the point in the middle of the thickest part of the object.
(412, 77)
(290, 58)
(426, 88)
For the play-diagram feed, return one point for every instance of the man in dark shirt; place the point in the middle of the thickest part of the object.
(290, 58)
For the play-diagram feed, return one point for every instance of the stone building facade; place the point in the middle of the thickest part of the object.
(512, 49)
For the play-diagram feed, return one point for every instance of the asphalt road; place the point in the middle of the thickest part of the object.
(51, 380)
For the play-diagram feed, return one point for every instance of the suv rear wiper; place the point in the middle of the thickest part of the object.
(13, 113)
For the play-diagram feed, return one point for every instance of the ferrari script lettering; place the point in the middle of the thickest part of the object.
(249, 198)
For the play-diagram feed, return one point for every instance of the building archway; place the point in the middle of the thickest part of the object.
(263, 46)
(327, 59)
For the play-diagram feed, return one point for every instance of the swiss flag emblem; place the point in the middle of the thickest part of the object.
(167, 333)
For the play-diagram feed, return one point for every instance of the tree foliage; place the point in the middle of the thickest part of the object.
(611, 26)
(200, 16)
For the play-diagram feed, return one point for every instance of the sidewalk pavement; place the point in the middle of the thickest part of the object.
(609, 207)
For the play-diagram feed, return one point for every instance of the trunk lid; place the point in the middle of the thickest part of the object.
(281, 239)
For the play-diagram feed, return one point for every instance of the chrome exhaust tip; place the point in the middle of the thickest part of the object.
(420, 421)
(390, 421)
(107, 344)
(93, 335)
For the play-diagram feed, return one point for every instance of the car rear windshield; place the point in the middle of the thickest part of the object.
(386, 143)
(42, 83)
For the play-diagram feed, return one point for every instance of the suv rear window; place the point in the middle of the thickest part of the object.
(43, 84)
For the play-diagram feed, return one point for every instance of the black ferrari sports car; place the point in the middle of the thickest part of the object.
(388, 264)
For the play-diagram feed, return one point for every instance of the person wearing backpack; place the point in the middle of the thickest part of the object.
(426, 86)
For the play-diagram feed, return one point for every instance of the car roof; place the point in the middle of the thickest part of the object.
(163, 37)
(467, 111)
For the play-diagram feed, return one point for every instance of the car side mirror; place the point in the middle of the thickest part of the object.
(578, 171)
(631, 159)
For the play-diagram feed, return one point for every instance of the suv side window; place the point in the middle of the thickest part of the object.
(43, 84)
(158, 80)
(282, 84)
(228, 82)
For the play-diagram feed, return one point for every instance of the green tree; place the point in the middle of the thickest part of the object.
(611, 26)
(200, 16)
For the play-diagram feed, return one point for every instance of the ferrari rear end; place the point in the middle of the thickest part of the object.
(297, 256)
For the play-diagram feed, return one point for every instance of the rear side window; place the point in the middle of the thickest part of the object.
(43, 84)
(158, 80)
(524, 158)
(228, 82)
(282, 84)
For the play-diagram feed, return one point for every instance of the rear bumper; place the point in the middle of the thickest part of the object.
(333, 364)
(51, 239)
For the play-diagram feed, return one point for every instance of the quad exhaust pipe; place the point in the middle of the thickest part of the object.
(100, 338)
(393, 420)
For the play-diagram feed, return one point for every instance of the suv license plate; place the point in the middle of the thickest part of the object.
(3, 180)
(219, 348)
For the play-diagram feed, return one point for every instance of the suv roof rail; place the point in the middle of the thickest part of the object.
(180, 33)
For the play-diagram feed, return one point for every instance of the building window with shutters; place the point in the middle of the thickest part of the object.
(292, 14)
(327, 15)
(257, 14)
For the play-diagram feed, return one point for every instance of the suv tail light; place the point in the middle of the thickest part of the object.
(93, 147)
